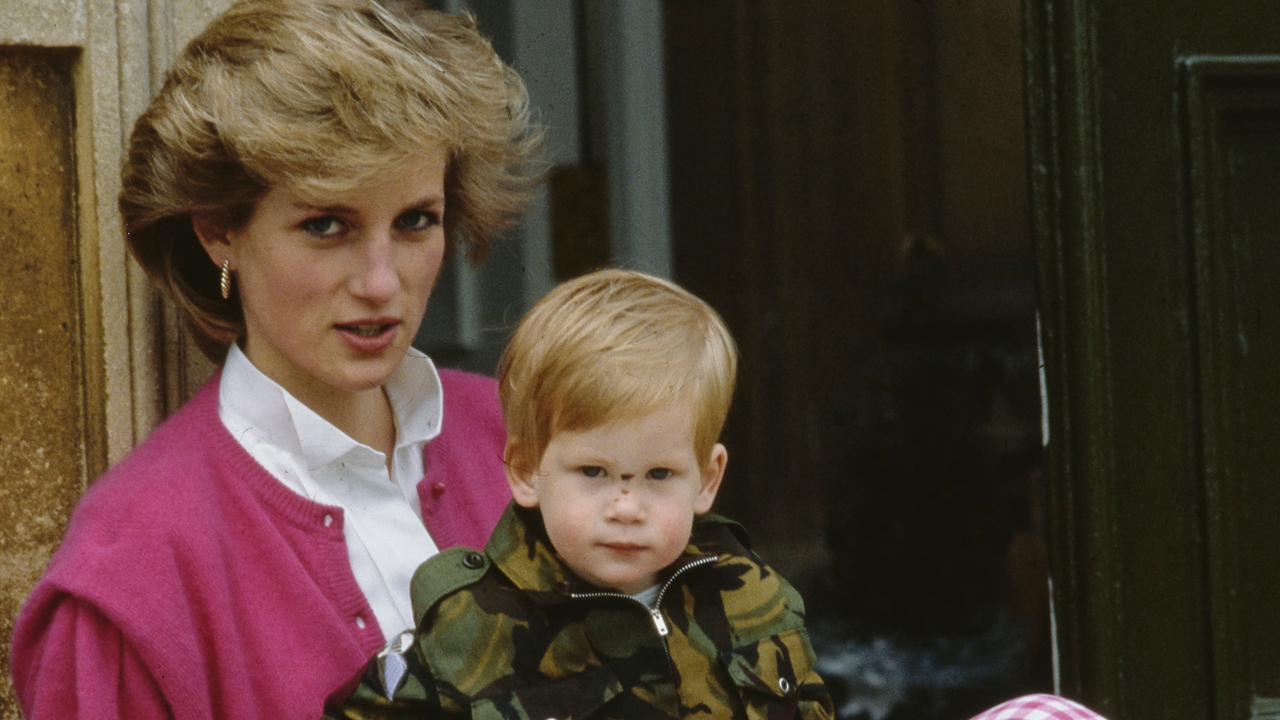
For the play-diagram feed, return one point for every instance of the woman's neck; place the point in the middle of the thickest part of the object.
(366, 416)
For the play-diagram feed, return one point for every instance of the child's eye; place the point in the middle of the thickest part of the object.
(419, 220)
(659, 474)
(327, 226)
(592, 471)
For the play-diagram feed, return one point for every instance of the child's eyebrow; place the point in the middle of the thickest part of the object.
(585, 457)
(591, 462)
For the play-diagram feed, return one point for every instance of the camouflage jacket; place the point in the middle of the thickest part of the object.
(511, 633)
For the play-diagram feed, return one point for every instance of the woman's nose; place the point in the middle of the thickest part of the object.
(376, 279)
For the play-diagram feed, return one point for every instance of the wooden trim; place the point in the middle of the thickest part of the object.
(1215, 88)
(1064, 166)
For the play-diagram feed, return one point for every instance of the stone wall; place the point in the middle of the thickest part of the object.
(90, 360)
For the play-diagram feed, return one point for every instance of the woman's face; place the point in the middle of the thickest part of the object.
(333, 289)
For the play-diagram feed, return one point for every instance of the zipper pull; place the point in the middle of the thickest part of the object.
(659, 623)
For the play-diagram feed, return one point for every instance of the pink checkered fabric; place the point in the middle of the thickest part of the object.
(1039, 707)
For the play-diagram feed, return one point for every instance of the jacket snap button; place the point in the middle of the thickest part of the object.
(472, 561)
(784, 686)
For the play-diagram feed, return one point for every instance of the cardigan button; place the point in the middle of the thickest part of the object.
(359, 622)
(328, 520)
(473, 561)
(438, 488)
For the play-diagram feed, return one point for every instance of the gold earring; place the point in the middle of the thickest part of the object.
(224, 282)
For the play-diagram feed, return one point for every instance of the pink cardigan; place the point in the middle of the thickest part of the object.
(192, 584)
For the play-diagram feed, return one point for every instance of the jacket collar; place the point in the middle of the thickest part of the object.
(520, 549)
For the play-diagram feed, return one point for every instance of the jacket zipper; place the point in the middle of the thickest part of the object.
(655, 612)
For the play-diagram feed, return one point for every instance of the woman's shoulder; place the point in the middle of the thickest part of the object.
(467, 390)
(453, 377)
(471, 403)
(160, 497)
(168, 462)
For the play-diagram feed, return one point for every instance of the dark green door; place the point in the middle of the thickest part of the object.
(1155, 173)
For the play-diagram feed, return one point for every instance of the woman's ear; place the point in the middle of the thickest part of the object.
(213, 238)
(712, 474)
(519, 477)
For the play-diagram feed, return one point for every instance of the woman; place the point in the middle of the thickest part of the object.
(293, 188)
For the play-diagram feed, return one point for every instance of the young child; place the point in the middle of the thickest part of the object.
(607, 590)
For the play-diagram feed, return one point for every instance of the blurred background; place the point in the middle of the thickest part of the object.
(845, 183)
(843, 180)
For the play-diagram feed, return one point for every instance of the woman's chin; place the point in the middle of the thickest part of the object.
(363, 378)
(344, 377)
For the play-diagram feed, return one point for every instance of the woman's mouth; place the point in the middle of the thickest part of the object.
(368, 337)
(366, 330)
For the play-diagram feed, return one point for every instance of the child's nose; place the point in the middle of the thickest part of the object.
(626, 507)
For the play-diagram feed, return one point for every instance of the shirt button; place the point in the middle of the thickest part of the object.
(359, 622)
(438, 488)
(328, 520)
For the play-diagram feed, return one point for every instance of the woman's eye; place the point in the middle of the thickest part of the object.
(419, 220)
(592, 471)
(323, 226)
(659, 474)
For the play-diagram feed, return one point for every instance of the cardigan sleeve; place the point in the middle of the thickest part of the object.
(78, 665)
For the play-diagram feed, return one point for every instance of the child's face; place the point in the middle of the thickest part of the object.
(618, 500)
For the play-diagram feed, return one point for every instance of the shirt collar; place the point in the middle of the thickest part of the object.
(282, 420)
(416, 398)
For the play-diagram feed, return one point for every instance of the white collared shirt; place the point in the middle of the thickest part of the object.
(386, 540)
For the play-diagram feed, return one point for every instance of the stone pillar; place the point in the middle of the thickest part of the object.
(43, 438)
(91, 360)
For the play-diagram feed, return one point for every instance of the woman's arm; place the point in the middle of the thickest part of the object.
(78, 665)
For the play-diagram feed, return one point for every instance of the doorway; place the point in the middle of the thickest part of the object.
(848, 189)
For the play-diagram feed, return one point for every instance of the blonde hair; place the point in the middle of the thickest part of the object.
(321, 97)
(610, 345)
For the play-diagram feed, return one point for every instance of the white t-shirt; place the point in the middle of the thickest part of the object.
(648, 596)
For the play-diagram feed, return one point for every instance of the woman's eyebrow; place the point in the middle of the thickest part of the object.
(341, 209)
(337, 209)
(428, 201)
